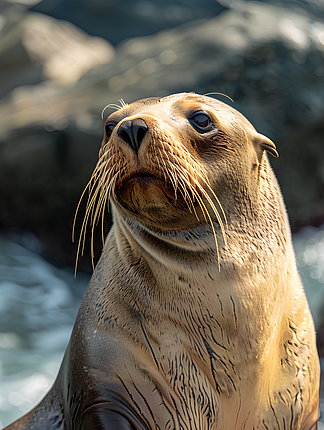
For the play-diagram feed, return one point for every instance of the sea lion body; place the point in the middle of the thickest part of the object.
(195, 316)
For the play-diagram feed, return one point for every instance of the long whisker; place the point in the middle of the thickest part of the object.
(186, 196)
(89, 187)
(123, 104)
(96, 180)
(77, 209)
(177, 184)
(220, 221)
(160, 167)
(205, 180)
(206, 213)
(104, 179)
(187, 153)
(114, 106)
(89, 211)
(194, 193)
(99, 203)
(110, 105)
(106, 204)
(101, 165)
(190, 166)
(165, 171)
(101, 179)
(173, 180)
(82, 233)
(219, 94)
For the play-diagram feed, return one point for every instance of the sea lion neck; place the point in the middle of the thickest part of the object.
(178, 250)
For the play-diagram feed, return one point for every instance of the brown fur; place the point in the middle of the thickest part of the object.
(195, 317)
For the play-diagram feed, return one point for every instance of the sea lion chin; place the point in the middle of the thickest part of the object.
(195, 316)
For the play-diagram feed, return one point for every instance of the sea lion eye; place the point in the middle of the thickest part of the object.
(201, 122)
(109, 127)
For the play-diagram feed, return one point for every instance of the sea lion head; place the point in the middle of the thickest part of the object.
(168, 162)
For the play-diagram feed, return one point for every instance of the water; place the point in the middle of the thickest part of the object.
(38, 305)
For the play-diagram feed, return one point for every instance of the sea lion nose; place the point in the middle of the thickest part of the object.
(133, 132)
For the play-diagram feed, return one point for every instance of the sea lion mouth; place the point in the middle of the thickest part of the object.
(143, 181)
(144, 178)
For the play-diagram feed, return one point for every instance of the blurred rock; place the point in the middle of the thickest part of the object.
(117, 20)
(300, 171)
(42, 174)
(267, 58)
(34, 47)
(313, 8)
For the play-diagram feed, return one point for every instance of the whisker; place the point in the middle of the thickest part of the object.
(102, 184)
(206, 181)
(203, 207)
(110, 105)
(123, 104)
(83, 229)
(214, 210)
(194, 193)
(114, 106)
(100, 204)
(171, 175)
(101, 179)
(96, 180)
(160, 167)
(185, 150)
(104, 205)
(201, 188)
(165, 171)
(219, 94)
(191, 206)
(81, 198)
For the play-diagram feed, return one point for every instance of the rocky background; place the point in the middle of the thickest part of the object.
(62, 62)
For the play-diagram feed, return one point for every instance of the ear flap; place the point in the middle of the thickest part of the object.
(266, 144)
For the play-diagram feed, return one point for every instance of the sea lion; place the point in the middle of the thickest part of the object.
(195, 316)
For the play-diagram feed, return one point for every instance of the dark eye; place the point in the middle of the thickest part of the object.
(109, 127)
(201, 122)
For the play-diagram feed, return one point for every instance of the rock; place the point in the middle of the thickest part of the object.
(268, 59)
(119, 20)
(300, 171)
(34, 47)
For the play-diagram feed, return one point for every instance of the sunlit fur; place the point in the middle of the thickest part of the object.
(174, 162)
(192, 320)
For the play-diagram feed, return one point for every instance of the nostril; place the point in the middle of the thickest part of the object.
(125, 136)
(140, 135)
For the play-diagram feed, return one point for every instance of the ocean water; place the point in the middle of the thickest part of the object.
(38, 305)
(39, 302)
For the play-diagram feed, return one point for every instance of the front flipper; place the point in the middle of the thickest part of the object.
(105, 416)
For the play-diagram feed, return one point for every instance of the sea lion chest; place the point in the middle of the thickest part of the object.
(179, 358)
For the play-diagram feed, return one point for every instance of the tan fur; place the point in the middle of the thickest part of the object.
(195, 317)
